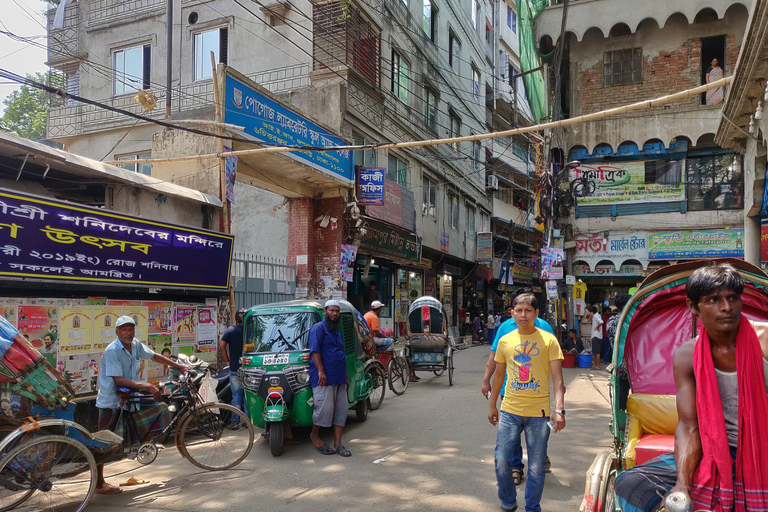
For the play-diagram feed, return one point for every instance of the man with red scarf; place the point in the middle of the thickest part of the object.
(721, 440)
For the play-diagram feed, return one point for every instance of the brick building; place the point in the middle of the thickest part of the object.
(650, 186)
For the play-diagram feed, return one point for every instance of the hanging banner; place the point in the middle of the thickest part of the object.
(628, 182)
(484, 247)
(505, 274)
(370, 186)
(230, 175)
(348, 256)
(76, 330)
(617, 248)
(552, 289)
(687, 245)
(552, 263)
(43, 238)
(444, 242)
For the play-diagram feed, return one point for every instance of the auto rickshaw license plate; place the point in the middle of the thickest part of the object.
(276, 359)
(427, 357)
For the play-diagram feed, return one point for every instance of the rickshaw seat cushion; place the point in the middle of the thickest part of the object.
(651, 446)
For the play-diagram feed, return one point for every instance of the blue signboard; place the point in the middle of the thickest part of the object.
(272, 123)
(370, 186)
(43, 238)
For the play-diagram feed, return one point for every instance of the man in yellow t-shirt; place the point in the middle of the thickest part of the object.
(530, 357)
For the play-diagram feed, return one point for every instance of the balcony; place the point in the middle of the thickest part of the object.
(505, 211)
(106, 13)
(503, 152)
(603, 14)
(64, 43)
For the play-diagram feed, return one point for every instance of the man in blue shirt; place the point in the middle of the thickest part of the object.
(328, 378)
(120, 366)
(507, 327)
(233, 337)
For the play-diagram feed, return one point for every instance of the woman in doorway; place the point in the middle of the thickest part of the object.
(715, 73)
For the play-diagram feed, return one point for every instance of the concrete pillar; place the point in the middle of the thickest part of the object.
(315, 234)
(752, 240)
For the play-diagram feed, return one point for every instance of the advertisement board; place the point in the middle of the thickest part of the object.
(687, 245)
(617, 247)
(628, 182)
(47, 239)
(484, 247)
(398, 208)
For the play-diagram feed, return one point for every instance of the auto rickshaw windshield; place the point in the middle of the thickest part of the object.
(278, 332)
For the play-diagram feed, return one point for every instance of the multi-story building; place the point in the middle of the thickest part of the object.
(371, 70)
(649, 187)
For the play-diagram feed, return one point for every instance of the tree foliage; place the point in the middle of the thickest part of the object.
(26, 110)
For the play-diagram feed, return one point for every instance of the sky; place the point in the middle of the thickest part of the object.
(23, 18)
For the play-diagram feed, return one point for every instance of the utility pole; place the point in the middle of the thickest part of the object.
(168, 57)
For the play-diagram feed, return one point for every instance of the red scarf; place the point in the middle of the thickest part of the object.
(714, 486)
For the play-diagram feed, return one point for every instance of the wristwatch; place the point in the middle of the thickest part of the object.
(561, 412)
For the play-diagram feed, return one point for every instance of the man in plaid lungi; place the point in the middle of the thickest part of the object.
(120, 368)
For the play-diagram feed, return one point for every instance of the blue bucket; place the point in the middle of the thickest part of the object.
(585, 360)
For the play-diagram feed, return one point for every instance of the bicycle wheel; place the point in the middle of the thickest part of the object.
(215, 440)
(398, 375)
(379, 386)
(450, 367)
(47, 473)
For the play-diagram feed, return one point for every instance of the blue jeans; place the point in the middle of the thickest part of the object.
(238, 395)
(537, 432)
(491, 336)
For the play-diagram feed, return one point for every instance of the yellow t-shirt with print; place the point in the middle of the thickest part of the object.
(527, 357)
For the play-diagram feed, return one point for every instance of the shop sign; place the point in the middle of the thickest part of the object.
(48, 239)
(451, 269)
(444, 242)
(617, 248)
(391, 242)
(484, 247)
(570, 279)
(626, 182)
(270, 122)
(552, 263)
(398, 208)
(607, 270)
(370, 186)
(425, 263)
(687, 245)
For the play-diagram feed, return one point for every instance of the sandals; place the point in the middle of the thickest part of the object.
(517, 476)
(548, 465)
(108, 489)
(133, 481)
(326, 450)
(343, 451)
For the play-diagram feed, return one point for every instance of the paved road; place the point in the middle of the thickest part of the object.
(436, 442)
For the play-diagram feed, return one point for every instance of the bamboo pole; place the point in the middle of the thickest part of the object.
(596, 116)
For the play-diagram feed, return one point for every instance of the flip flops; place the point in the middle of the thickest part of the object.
(343, 451)
(133, 481)
(326, 450)
(108, 489)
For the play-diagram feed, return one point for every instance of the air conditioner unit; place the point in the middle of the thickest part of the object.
(493, 182)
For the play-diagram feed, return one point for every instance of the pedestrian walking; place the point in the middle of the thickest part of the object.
(529, 357)
(597, 336)
(491, 326)
(232, 339)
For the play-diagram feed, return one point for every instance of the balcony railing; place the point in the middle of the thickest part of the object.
(104, 13)
(63, 43)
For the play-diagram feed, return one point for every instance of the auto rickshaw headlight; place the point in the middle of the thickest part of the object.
(251, 381)
(302, 378)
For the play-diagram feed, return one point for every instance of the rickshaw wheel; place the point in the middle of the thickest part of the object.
(379, 388)
(361, 410)
(608, 499)
(276, 438)
(398, 375)
(450, 367)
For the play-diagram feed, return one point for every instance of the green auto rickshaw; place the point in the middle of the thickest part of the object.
(275, 365)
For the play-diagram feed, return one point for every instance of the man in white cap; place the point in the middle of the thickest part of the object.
(328, 378)
(120, 368)
(380, 338)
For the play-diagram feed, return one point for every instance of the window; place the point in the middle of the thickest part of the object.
(475, 83)
(143, 168)
(206, 42)
(430, 108)
(430, 20)
(623, 67)
(428, 196)
(484, 224)
(369, 158)
(714, 182)
(473, 8)
(454, 52)
(131, 69)
(453, 211)
(511, 19)
(476, 163)
(399, 77)
(397, 171)
(455, 130)
(470, 220)
(663, 172)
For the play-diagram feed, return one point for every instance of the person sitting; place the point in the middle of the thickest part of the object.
(571, 342)
(722, 404)
(120, 368)
(384, 343)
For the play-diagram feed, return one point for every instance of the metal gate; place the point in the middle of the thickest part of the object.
(258, 280)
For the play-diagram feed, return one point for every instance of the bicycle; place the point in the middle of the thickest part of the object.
(396, 367)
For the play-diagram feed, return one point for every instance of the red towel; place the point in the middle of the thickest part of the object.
(714, 486)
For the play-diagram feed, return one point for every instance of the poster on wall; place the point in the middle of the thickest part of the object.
(104, 318)
(8, 311)
(207, 332)
(552, 263)
(158, 316)
(40, 325)
(161, 344)
(184, 324)
(76, 330)
(116, 302)
(81, 370)
(348, 256)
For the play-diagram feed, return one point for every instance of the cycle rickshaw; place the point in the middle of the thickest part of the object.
(655, 321)
(428, 346)
(48, 460)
